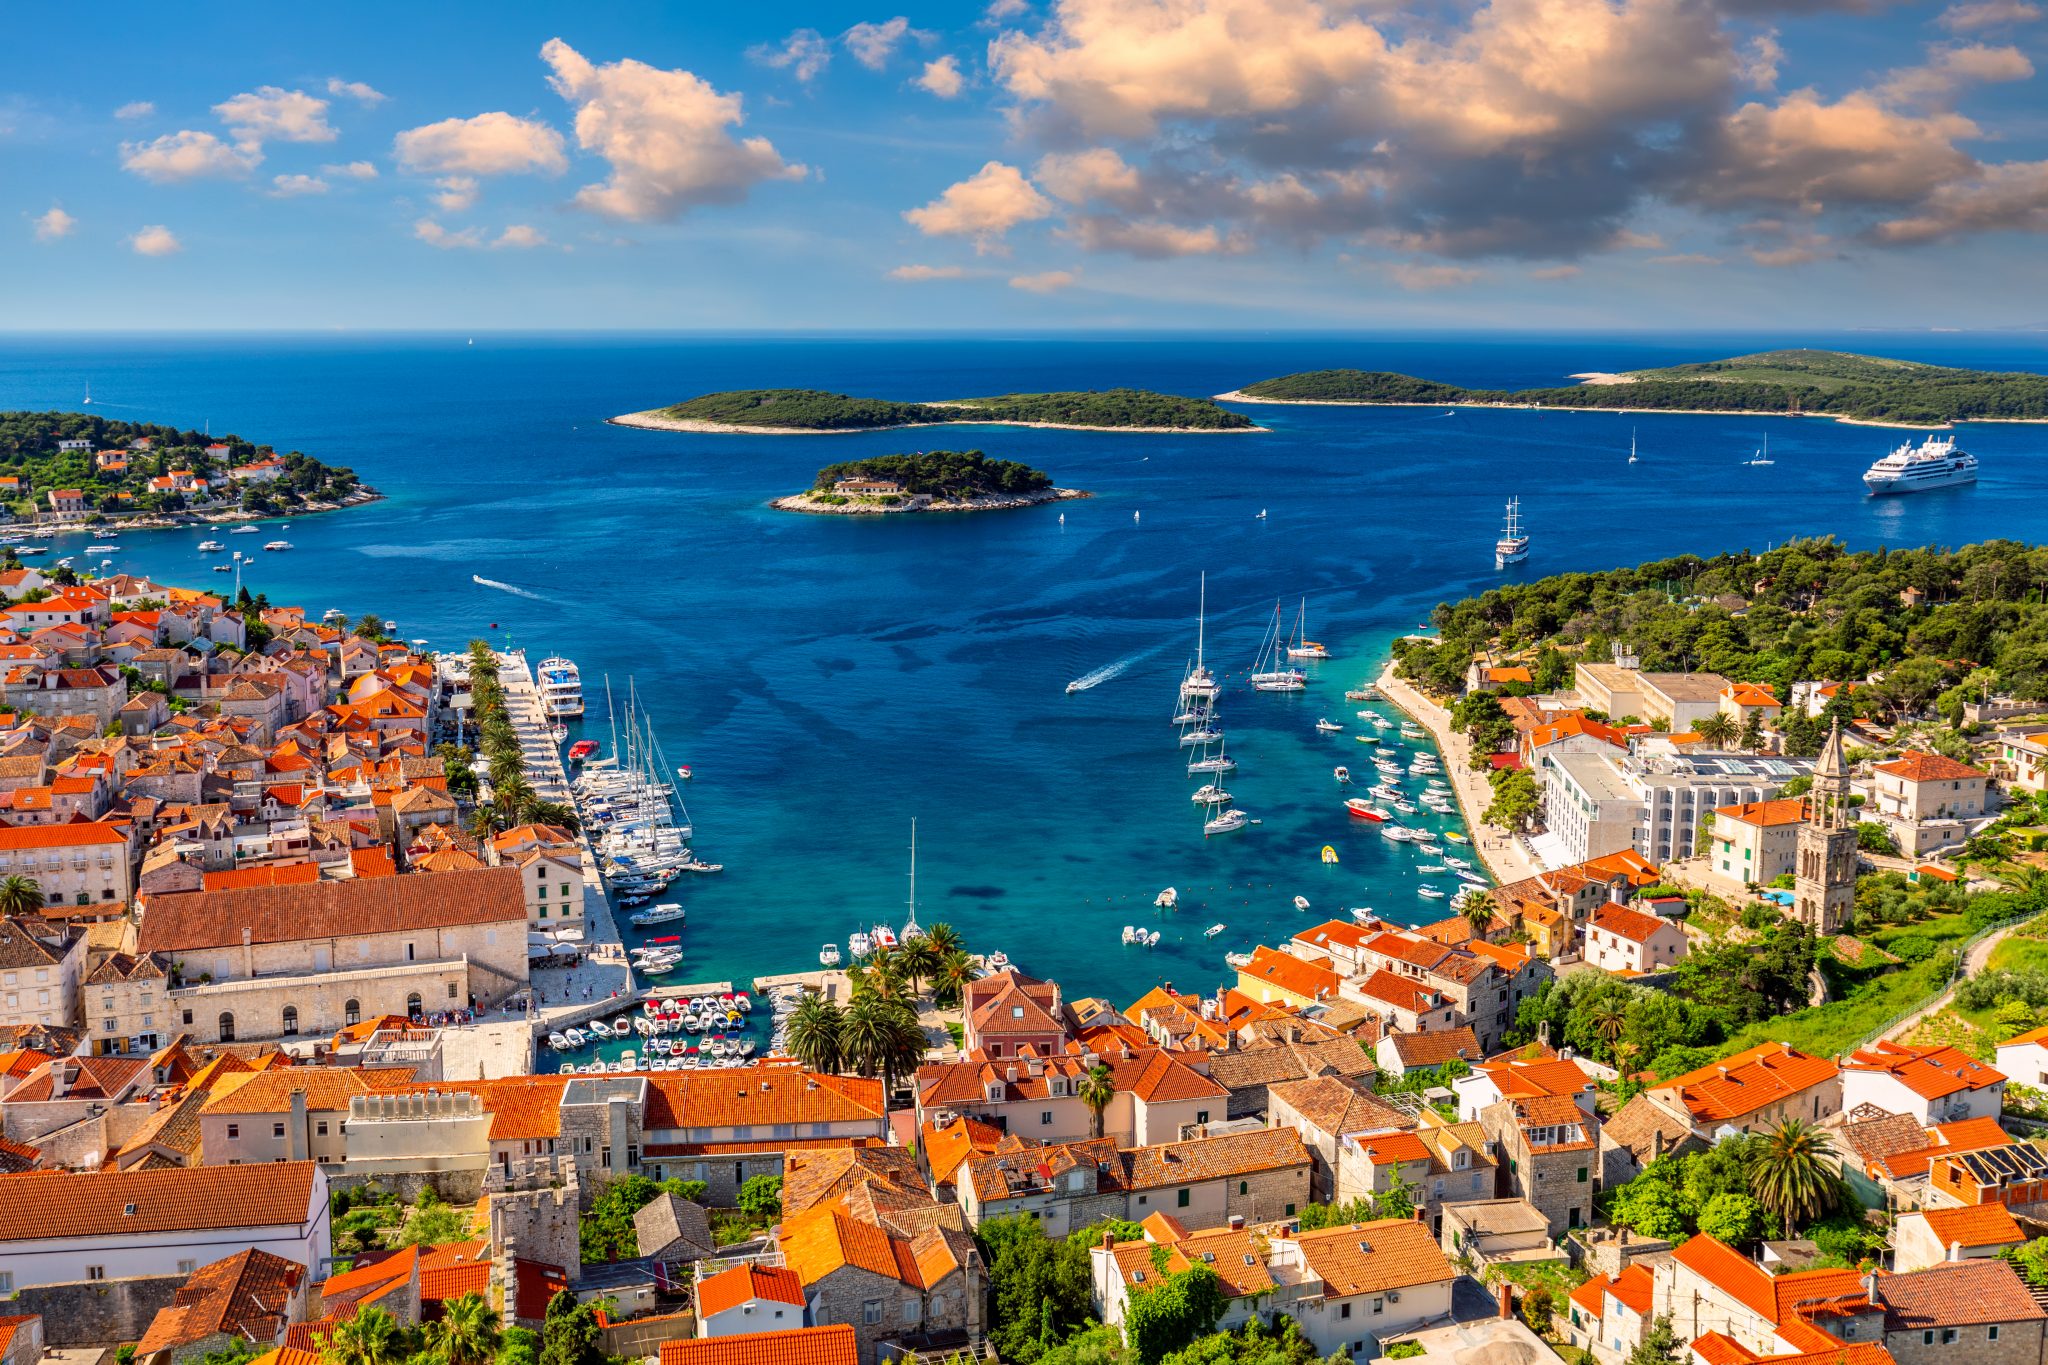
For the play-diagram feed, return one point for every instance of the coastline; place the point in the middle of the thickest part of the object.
(653, 420)
(801, 502)
(1235, 396)
(171, 521)
(1504, 858)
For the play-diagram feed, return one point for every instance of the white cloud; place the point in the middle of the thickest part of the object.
(667, 135)
(1046, 281)
(1097, 173)
(487, 144)
(136, 109)
(188, 155)
(457, 193)
(943, 77)
(804, 54)
(1153, 239)
(521, 236)
(918, 273)
(155, 240)
(351, 170)
(1686, 258)
(1759, 65)
(1425, 278)
(2009, 198)
(433, 234)
(1636, 241)
(1555, 272)
(999, 10)
(872, 45)
(288, 186)
(54, 224)
(1949, 70)
(355, 90)
(268, 114)
(1983, 14)
(984, 206)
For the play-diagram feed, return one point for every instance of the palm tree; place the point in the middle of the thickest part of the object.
(1609, 1019)
(555, 813)
(1096, 1090)
(20, 896)
(467, 1333)
(944, 938)
(1791, 1178)
(371, 1337)
(955, 974)
(1478, 912)
(882, 1038)
(880, 976)
(815, 1034)
(919, 961)
(1718, 729)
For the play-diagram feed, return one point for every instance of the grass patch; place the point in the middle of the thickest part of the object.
(1560, 1277)
(1956, 1028)
(2017, 954)
(1826, 1030)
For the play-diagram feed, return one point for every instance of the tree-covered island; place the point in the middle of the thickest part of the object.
(805, 411)
(1794, 382)
(928, 481)
(78, 466)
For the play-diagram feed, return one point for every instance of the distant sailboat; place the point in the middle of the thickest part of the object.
(88, 393)
(1261, 516)
(1763, 454)
(1136, 515)
(1063, 518)
(1631, 445)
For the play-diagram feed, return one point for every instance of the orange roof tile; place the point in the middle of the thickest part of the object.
(1919, 766)
(1286, 972)
(1766, 814)
(745, 1283)
(1362, 1258)
(1980, 1225)
(1930, 1073)
(1748, 1081)
(833, 1345)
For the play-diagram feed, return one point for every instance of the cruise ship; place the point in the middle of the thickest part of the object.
(561, 689)
(1935, 464)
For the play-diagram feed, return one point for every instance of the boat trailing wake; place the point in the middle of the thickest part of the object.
(1112, 670)
(514, 589)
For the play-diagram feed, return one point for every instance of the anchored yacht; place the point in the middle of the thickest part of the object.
(561, 689)
(1513, 545)
(1935, 463)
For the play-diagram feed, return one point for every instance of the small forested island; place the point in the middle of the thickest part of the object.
(82, 467)
(1838, 384)
(929, 481)
(791, 412)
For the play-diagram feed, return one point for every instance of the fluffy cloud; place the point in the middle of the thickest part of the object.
(269, 114)
(920, 273)
(999, 10)
(433, 234)
(189, 155)
(455, 193)
(355, 90)
(984, 206)
(943, 77)
(290, 186)
(2008, 198)
(1046, 281)
(666, 134)
(1420, 279)
(352, 170)
(1097, 173)
(1949, 70)
(488, 144)
(135, 109)
(1982, 14)
(155, 240)
(54, 224)
(1151, 239)
(804, 54)
(1811, 153)
(872, 45)
(521, 237)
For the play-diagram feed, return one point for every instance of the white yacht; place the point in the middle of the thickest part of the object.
(1270, 672)
(1200, 684)
(1934, 463)
(1210, 794)
(101, 549)
(561, 689)
(1226, 821)
(244, 531)
(209, 546)
(828, 956)
(664, 913)
(1513, 545)
(1301, 647)
(277, 545)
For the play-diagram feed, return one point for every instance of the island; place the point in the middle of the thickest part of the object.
(1812, 383)
(806, 412)
(928, 481)
(73, 467)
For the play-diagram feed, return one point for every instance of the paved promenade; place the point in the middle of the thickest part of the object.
(1504, 856)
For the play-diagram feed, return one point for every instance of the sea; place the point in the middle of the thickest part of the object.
(829, 679)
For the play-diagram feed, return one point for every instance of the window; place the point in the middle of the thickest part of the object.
(1927, 1337)
(1045, 1117)
(6, 1282)
(1183, 1200)
(1244, 1187)
(188, 1016)
(226, 1026)
(1145, 1199)
(1344, 1310)
(320, 1128)
(187, 1267)
(1290, 1210)
(1991, 1332)
(234, 1131)
(1948, 1336)
(352, 1012)
(412, 1002)
(291, 1021)
(871, 1311)
(95, 1272)
(277, 1130)
(1379, 1306)
(1201, 1116)
(1582, 1175)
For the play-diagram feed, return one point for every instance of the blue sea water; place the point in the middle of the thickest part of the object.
(830, 678)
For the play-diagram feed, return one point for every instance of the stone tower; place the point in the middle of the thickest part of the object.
(1824, 879)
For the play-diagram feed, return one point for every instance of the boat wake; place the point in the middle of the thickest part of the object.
(514, 589)
(1101, 675)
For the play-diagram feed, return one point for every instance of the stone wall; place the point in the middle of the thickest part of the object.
(639, 1337)
(2019, 1343)
(97, 1312)
(536, 1213)
(453, 1186)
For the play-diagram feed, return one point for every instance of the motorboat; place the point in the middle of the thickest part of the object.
(1212, 931)
(884, 936)
(1365, 810)
(101, 549)
(828, 956)
(210, 546)
(558, 1042)
(1430, 892)
(1341, 773)
(277, 545)
(1329, 727)
(1456, 837)
(1133, 934)
(1458, 863)
(668, 912)
(1238, 960)
(244, 531)
(561, 689)
(1167, 899)
(1329, 854)
(1226, 821)
(860, 944)
(576, 1036)
(598, 1028)
(1301, 902)
(223, 568)
(1359, 694)
(583, 749)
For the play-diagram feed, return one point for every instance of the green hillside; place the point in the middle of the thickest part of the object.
(816, 410)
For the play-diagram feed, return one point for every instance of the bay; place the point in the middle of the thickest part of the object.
(829, 678)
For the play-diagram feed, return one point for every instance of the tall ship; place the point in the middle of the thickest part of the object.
(1513, 545)
(561, 689)
(1934, 463)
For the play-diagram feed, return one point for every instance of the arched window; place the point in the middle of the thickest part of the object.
(291, 1021)
(227, 1027)
(352, 1012)
(412, 1003)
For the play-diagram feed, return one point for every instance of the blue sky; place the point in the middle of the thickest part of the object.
(1219, 164)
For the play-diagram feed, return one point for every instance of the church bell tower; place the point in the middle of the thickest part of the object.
(1824, 877)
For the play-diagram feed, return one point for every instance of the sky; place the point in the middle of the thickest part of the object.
(1025, 164)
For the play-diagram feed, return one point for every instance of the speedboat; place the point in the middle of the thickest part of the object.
(1225, 822)
(1238, 959)
(1365, 810)
(1212, 931)
(828, 956)
(243, 531)
(1359, 694)
(884, 936)
(665, 913)
(1341, 773)
(558, 1042)
(1456, 837)
(101, 549)
(1458, 863)
(860, 945)
(1329, 727)
(1431, 892)
(599, 1029)
(1301, 902)
(277, 545)
(209, 546)
(1133, 934)
(576, 1036)
(1167, 899)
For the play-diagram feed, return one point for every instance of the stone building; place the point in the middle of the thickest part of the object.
(1824, 879)
(40, 965)
(924, 1290)
(125, 1003)
(1551, 1148)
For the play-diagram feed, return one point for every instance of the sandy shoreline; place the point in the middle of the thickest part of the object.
(801, 502)
(1504, 858)
(653, 420)
(1235, 396)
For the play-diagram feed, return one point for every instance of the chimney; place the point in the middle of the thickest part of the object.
(1870, 1288)
(295, 1130)
(1236, 1223)
(1010, 1073)
(1955, 1251)
(1507, 1300)
(1108, 1240)
(1543, 1033)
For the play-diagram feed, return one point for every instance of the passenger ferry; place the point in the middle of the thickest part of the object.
(1935, 464)
(561, 689)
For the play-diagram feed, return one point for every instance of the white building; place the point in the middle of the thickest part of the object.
(75, 864)
(1619, 939)
(750, 1298)
(1927, 801)
(2024, 1059)
(40, 965)
(1588, 807)
(57, 1228)
(1934, 1085)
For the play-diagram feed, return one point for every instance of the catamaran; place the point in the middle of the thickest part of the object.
(1513, 545)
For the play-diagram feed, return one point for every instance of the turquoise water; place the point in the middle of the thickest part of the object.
(828, 678)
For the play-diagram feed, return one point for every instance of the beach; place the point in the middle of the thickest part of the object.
(1505, 859)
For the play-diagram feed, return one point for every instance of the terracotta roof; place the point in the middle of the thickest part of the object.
(455, 1269)
(248, 1294)
(1919, 766)
(1633, 1288)
(833, 1345)
(1718, 1348)
(1731, 1272)
(816, 1244)
(1748, 1081)
(1633, 925)
(946, 1148)
(51, 1205)
(339, 909)
(1236, 1255)
(745, 1283)
(1751, 694)
(326, 1088)
(1930, 1073)
(1223, 1157)
(1400, 992)
(1281, 1061)
(1296, 976)
(1516, 1078)
(1979, 1225)
(1957, 1294)
(1337, 1107)
(765, 1093)
(1365, 1258)
(1436, 1047)
(1789, 811)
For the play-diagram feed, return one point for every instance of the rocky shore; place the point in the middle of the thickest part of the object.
(807, 501)
(655, 420)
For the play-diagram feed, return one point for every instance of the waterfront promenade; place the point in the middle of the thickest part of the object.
(1505, 858)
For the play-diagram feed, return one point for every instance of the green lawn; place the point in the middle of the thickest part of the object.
(2018, 954)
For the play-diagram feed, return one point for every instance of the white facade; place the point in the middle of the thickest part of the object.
(42, 992)
(1588, 806)
(1893, 1095)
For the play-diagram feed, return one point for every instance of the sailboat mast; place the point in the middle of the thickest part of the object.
(910, 926)
(1201, 618)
